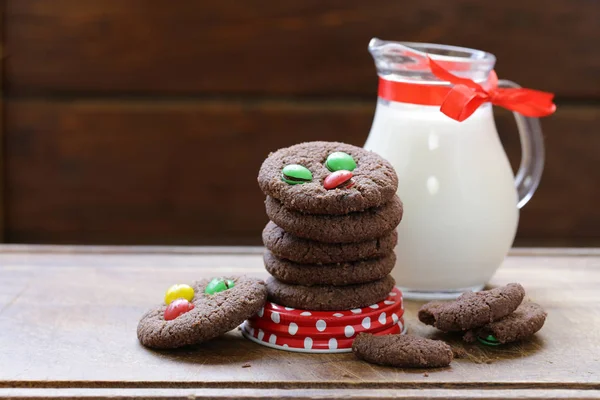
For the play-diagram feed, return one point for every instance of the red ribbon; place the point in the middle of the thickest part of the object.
(465, 96)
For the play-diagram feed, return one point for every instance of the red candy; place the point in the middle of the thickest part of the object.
(176, 308)
(337, 179)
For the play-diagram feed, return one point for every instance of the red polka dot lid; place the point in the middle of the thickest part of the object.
(324, 331)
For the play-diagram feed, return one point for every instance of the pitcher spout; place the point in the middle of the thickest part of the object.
(409, 60)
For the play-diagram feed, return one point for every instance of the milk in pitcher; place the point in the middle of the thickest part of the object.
(461, 199)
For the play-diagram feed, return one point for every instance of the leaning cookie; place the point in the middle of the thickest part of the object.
(404, 351)
(527, 319)
(340, 274)
(289, 247)
(473, 310)
(202, 311)
(329, 298)
(373, 180)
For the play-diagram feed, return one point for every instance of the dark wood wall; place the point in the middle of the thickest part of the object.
(145, 121)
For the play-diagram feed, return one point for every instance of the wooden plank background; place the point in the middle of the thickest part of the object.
(120, 114)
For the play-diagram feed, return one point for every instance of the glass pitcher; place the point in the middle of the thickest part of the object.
(461, 199)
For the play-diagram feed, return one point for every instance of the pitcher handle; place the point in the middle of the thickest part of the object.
(532, 152)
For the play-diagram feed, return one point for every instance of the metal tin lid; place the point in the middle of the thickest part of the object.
(291, 329)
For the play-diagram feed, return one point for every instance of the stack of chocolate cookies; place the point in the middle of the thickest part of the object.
(334, 212)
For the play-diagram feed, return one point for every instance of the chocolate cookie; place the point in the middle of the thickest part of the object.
(328, 298)
(340, 274)
(403, 351)
(350, 228)
(212, 314)
(374, 181)
(473, 310)
(287, 246)
(527, 319)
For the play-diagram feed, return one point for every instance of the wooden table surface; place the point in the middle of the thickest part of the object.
(68, 321)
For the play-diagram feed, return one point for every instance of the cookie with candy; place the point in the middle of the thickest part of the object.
(204, 310)
(327, 178)
(492, 317)
(527, 319)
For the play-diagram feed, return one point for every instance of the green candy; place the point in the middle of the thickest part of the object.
(339, 161)
(490, 340)
(295, 174)
(218, 285)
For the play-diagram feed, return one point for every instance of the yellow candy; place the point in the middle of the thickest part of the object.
(179, 291)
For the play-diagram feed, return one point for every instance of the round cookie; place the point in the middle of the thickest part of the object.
(289, 247)
(341, 274)
(527, 319)
(329, 298)
(473, 309)
(350, 228)
(212, 315)
(403, 351)
(375, 181)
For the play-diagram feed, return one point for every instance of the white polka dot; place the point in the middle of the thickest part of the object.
(261, 334)
(261, 312)
(402, 306)
(251, 331)
(275, 317)
(293, 328)
(388, 302)
(401, 326)
(356, 311)
(274, 306)
(285, 345)
(308, 343)
(332, 344)
(382, 318)
(348, 331)
(393, 294)
(374, 306)
(395, 318)
(306, 313)
(337, 314)
(289, 308)
(366, 323)
(321, 325)
(272, 339)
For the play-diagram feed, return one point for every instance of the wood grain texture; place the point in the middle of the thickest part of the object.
(285, 47)
(112, 172)
(69, 315)
(297, 394)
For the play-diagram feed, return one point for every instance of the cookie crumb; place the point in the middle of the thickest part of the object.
(426, 375)
(246, 366)
(459, 352)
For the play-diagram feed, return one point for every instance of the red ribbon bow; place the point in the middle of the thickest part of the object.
(466, 96)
